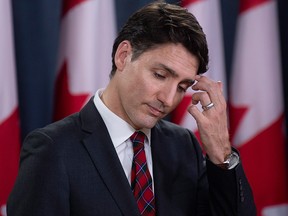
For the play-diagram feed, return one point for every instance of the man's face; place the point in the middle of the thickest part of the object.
(151, 86)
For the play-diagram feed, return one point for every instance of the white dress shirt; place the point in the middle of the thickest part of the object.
(120, 132)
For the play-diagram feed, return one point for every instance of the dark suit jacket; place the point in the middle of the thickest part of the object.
(71, 168)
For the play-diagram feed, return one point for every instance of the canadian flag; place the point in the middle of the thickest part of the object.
(208, 14)
(9, 114)
(257, 113)
(88, 29)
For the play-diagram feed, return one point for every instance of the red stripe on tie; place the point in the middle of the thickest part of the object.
(141, 181)
(69, 4)
(249, 4)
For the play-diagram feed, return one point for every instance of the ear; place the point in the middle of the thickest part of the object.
(123, 54)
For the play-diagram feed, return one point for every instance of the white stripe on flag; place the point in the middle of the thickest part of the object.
(8, 93)
(257, 81)
(87, 34)
(9, 118)
(257, 112)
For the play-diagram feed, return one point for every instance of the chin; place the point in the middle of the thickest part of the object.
(144, 121)
(149, 123)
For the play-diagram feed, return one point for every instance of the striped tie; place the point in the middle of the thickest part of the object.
(141, 181)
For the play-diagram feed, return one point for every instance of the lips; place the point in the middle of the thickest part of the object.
(155, 111)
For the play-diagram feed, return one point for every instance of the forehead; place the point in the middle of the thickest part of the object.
(174, 56)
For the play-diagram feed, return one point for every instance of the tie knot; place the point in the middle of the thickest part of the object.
(137, 138)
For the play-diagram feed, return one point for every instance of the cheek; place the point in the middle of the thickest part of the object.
(148, 86)
(178, 98)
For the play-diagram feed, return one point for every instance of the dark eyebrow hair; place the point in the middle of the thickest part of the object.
(171, 71)
(190, 82)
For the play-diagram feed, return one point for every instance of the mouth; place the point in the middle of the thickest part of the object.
(155, 111)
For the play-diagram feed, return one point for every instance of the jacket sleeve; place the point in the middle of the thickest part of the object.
(41, 187)
(229, 191)
(223, 192)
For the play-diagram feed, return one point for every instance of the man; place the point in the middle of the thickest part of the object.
(86, 163)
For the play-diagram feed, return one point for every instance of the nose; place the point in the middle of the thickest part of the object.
(167, 95)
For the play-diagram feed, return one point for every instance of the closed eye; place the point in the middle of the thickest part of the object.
(159, 76)
(183, 86)
(181, 89)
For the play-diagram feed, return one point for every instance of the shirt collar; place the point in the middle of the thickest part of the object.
(118, 129)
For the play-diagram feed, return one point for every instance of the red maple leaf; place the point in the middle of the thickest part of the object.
(187, 2)
(263, 158)
(236, 116)
(249, 4)
(66, 103)
(69, 4)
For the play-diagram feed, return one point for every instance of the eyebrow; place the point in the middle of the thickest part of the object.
(189, 82)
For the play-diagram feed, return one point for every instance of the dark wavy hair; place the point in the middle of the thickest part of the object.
(160, 23)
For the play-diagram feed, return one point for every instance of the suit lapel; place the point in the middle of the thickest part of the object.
(102, 152)
(161, 173)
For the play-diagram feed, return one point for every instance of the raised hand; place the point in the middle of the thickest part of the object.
(212, 120)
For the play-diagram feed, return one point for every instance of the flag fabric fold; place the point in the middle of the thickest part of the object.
(88, 29)
(256, 105)
(9, 112)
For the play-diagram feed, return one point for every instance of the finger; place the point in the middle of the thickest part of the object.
(202, 82)
(196, 113)
(220, 85)
(201, 97)
(214, 89)
(206, 84)
(208, 106)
